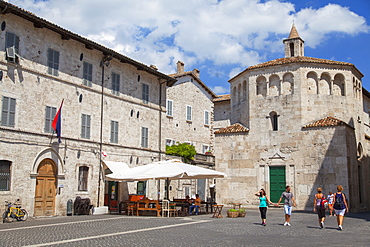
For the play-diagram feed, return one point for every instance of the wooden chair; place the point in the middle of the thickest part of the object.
(131, 208)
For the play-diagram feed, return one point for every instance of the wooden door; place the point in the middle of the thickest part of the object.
(277, 182)
(45, 189)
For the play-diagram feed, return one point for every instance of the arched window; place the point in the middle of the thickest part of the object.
(274, 120)
(291, 46)
(5, 175)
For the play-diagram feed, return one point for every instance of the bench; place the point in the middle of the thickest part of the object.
(143, 205)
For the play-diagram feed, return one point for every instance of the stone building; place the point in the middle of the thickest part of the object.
(112, 104)
(295, 120)
(189, 119)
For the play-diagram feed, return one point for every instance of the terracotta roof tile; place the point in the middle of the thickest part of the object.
(223, 97)
(235, 128)
(299, 59)
(325, 122)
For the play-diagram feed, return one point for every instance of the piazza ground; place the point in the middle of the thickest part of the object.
(120, 230)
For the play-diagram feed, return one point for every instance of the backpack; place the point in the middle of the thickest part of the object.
(324, 203)
(339, 204)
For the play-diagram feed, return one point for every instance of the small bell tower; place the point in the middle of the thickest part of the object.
(294, 45)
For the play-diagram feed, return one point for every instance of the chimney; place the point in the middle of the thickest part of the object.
(196, 72)
(180, 67)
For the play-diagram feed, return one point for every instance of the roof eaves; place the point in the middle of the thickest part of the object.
(190, 73)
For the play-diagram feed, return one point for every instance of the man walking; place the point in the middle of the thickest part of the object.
(289, 202)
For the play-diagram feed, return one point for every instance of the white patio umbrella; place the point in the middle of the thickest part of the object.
(169, 169)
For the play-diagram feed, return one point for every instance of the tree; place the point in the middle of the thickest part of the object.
(183, 150)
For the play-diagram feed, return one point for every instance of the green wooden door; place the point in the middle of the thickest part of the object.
(277, 182)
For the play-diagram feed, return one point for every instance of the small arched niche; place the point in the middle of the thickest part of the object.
(339, 85)
(274, 89)
(288, 84)
(324, 84)
(261, 86)
(311, 84)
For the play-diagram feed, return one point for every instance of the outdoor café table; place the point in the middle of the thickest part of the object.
(184, 207)
(217, 211)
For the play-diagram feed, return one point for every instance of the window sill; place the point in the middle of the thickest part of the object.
(189, 121)
(169, 116)
(206, 125)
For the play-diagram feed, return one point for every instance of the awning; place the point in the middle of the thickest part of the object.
(116, 167)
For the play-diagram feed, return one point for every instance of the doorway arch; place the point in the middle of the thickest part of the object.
(45, 188)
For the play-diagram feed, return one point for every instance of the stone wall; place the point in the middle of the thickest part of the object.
(187, 91)
(26, 144)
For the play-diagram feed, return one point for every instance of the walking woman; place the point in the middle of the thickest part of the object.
(340, 206)
(317, 207)
(330, 203)
(263, 204)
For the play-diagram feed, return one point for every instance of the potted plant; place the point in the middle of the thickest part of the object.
(242, 212)
(232, 213)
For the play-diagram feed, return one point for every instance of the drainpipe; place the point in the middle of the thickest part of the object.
(104, 62)
(160, 132)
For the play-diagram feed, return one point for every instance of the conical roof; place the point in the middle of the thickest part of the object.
(293, 33)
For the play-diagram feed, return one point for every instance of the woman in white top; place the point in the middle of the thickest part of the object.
(330, 203)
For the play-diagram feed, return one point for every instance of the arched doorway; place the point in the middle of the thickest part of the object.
(45, 188)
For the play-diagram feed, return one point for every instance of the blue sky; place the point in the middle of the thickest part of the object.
(219, 37)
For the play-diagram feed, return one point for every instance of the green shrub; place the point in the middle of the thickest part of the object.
(233, 210)
(242, 210)
(183, 150)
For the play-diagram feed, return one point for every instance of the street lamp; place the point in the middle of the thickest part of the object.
(104, 63)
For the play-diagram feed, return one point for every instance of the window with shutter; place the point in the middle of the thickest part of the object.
(87, 74)
(8, 112)
(49, 116)
(53, 62)
(5, 175)
(189, 113)
(206, 117)
(83, 174)
(114, 132)
(145, 93)
(144, 137)
(85, 126)
(169, 108)
(115, 83)
(12, 47)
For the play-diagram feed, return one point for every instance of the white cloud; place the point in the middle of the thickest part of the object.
(237, 32)
(235, 71)
(220, 90)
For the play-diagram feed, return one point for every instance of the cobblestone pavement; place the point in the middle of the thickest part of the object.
(202, 230)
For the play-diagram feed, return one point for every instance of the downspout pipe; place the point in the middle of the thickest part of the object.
(160, 131)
